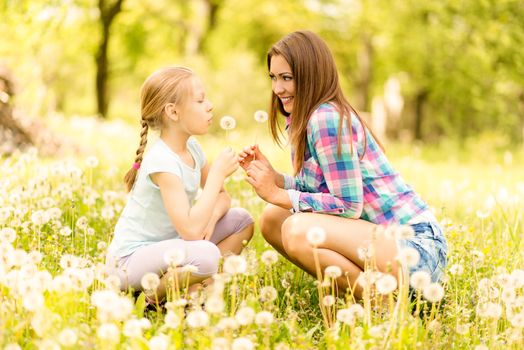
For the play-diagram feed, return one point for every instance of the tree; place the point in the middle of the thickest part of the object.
(108, 11)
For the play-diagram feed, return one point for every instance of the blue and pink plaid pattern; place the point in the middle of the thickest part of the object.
(344, 185)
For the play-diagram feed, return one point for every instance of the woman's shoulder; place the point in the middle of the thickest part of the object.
(325, 115)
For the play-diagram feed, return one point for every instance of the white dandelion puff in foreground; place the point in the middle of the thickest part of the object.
(316, 236)
(235, 265)
(260, 116)
(227, 122)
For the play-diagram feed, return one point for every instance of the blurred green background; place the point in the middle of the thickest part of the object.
(418, 70)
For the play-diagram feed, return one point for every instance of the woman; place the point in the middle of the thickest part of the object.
(342, 183)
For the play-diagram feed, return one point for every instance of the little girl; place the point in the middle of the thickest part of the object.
(161, 214)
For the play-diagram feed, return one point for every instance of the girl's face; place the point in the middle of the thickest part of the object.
(282, 81)
(195, 113)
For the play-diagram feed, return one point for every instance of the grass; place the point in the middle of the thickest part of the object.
(57, 217)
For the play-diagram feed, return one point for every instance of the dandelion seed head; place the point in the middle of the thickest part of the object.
(228, 122)
(108, 332)
(172, 320)
(150, 281)
(220, 343)
(386, 284)
(189, 268)
(7, 235)
(333, 271)
(227, 323)
(408, 257)
(91, 162)
(328, 300)
(242, 343)
(316, 236)
(345, 316)
(433, 292)
(197, 319)
(235, 265)
(260, 116)
(67, 337)
(269, 257)
(517, 320)
(268, 294)
(419, 280)
(174, 257)
(159, 342)
(215, 305)
(132, 328)
(245, 315)
(456, 269)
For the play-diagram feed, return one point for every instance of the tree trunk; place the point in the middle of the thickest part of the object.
(420, 100)
(365, 63)
(108, 13)
(212, 7)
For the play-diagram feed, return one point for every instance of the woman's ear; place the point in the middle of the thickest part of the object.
(171, 111)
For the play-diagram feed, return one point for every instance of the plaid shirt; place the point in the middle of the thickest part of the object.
(368, 189)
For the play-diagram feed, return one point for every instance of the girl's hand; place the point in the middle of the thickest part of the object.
(262, 178)
(225, 164)
(250, 153)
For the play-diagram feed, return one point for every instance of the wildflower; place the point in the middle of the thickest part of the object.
(7, 234)
(150, 281)
(481, 347)
(242, 343)
(235, 264)
(133, 328)
(159, 342)
(419, 280)
(456, 269)
(81, 223)
(65, 231)
(517, 276)
(345, 316)
(517, 320)
(215, 305)
(101, 246)
(197, 319)
(260, 116)
(268, 293)
(228, 123)
(33, 301)
(386, 284)
(356, 310)
(281, 346)
(245, 315)
(227, 323)
(269, 257)
(367, 278)
(408, 257)
(489, 310)
(316, 236)
(433, 292)
(12, 346)
(328, 300)
(39, 217)
(508, 295)
(92, 162)
(462, 329)
(174, 257)
(171, 320)
(264, 318)
(333, 271)
(219, 343)
(483, 214)
(189, 268)
(108, 332)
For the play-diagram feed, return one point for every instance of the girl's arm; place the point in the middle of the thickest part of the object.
(190, 221)
(222, 205)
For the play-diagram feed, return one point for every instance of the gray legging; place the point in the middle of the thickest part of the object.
(203, 254)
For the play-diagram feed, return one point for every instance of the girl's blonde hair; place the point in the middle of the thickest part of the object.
(166, 85)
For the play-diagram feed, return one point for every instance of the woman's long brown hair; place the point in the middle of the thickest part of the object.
(316, 82)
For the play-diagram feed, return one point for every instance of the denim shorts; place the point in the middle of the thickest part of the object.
(430, 243)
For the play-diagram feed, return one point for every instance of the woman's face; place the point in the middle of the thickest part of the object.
(282, 81)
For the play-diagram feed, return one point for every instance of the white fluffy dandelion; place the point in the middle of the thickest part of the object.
(91, 162)
(174, 257)
(260, 116)
(242, 343)
(150, 281)
(386, 284)
(108, 332)
(328, 300)
(268, 293)
(172, 320)
(7, 234)
(264, 318)
(67, 337)
(235, 265)
(433, 292)
(197, 319)
(245, 315)
(159, 342)
(269, 257)
(316, 236)
(419, 280)
(333, 271)
(517, 320)
(345, 316)
(215, 305)
(228, 122)
(408, 257)
(456, 269)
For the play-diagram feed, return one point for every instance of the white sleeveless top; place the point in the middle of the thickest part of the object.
(144, 219)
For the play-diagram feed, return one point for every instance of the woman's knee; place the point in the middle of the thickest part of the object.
(293, 236)
(270, 221)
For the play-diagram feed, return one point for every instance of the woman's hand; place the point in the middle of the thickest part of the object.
(262, 178)
(251, 154)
